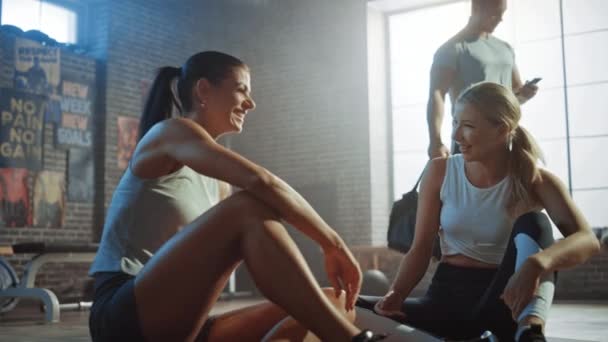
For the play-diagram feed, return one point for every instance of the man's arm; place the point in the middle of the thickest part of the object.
(441, 81)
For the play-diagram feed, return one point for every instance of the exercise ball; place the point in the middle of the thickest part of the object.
(375, 283)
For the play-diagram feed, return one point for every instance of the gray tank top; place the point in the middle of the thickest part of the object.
(145, 213)
(474, 221)
(483, 59)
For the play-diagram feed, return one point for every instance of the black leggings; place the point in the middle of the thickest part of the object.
(463, 302)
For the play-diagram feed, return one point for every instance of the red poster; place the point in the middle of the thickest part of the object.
(127, 139)
(14, 198)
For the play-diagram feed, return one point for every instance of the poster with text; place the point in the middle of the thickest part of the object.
(81, 187)
(37, 67)
(21, 128)
(75, 126)
(53, 110)
(49, 199)
(127, 139)
(14, 198)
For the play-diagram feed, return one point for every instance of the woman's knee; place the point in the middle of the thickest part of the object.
(245, 206)
(537, 226)
(255, 220)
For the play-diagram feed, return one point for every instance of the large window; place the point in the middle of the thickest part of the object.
(58, 22)
(569, 116)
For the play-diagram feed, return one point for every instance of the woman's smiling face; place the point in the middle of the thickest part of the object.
(229, 102)
(476, 136)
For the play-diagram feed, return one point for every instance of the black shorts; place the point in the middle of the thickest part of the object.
(114, 312)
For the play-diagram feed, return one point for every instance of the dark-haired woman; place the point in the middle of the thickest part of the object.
(172, 237)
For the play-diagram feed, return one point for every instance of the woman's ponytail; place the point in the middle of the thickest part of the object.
(160, 101)
(523, 170)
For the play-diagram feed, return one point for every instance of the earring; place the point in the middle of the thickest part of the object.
(510, 144)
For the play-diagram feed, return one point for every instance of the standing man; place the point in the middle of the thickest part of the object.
(472, 55)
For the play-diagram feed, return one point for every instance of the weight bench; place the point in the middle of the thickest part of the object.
(11, 289)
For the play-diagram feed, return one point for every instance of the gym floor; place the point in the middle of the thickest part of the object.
(568, 322)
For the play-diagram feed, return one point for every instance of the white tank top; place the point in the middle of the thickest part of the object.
(473, 221)
(145, 213)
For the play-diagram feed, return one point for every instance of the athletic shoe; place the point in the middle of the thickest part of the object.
(533, 334)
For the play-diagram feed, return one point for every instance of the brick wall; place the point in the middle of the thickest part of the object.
(587, 281)
(309, 78)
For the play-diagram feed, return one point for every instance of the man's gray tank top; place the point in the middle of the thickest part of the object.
(483, 59)
(145, 213)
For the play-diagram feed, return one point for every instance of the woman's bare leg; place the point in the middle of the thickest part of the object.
(247, 324)
(254, 322)
(291, 330)
(178, 286)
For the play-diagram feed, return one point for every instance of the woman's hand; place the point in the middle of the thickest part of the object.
(521, 287)
(390, 305)
(343, 272)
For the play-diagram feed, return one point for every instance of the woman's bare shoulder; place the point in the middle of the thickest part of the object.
(435, 172)
(436, 167)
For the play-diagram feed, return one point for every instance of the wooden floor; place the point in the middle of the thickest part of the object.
(568, 322)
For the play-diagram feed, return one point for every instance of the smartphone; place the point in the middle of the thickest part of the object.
(534, 81)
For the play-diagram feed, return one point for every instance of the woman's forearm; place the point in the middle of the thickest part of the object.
(294, 209)
(568, 252)
(411, 270)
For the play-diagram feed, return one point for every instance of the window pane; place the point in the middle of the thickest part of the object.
(528, 24)
(412, 52)
(584, 15)
(21, 13)
(588, 110)
(593, 205)
(408, 167)
(55, 21)
(556, 157)
(58, 22)
(541, 59)
(410, 132)
(409, 129)
(586, 57)
(409, 86)
(545, 115)
(589, 164)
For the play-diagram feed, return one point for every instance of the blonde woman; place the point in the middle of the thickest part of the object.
(499, 257)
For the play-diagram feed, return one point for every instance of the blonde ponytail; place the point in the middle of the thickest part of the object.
(523, 168)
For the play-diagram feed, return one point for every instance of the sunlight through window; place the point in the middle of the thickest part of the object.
(57, 22)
